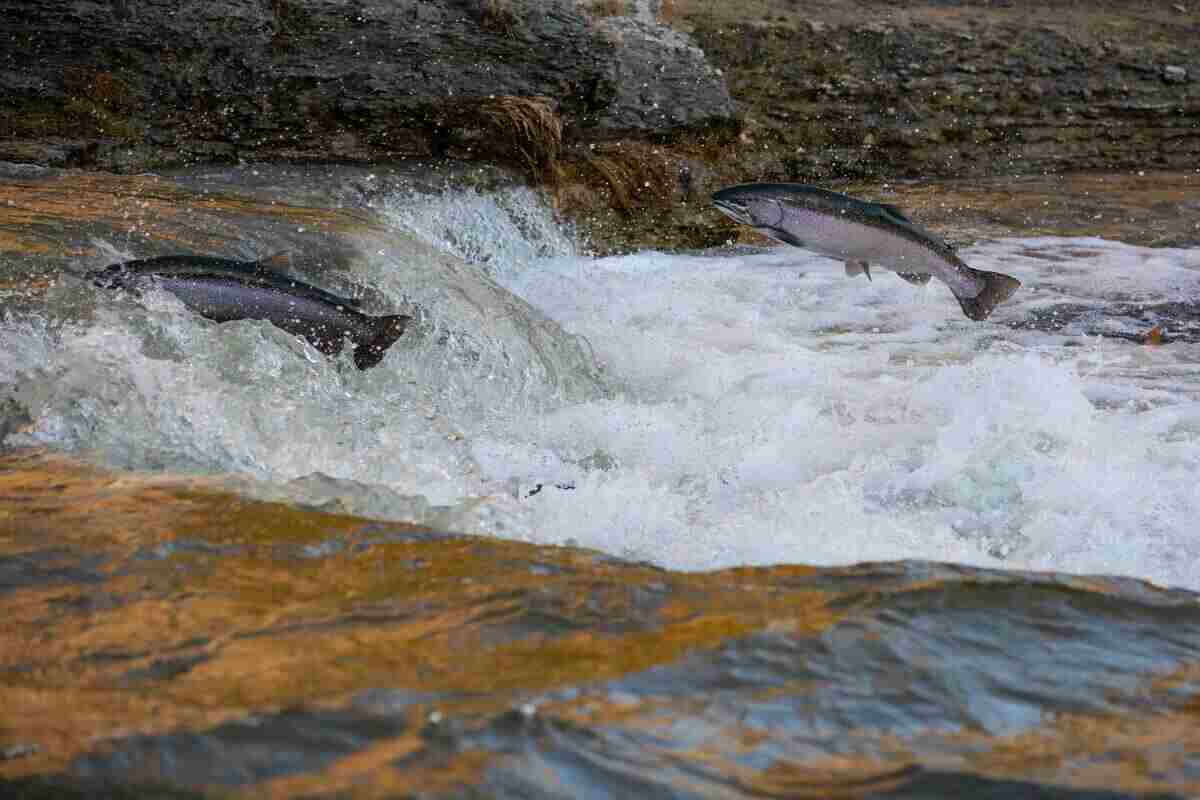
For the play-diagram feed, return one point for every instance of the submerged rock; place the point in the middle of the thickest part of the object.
(310, 654)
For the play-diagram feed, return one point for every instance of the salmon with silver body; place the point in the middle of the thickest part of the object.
(861, 234)
(224, 290)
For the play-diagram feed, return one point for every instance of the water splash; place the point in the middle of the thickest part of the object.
(694, 411)
(504, 232)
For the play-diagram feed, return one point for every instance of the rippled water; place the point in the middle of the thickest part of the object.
(697, 411)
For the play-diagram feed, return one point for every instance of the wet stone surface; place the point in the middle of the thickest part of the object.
(1148, 323)
(439, 664)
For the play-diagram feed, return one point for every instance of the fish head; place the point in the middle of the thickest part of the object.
(762, 206)
(114, 277)
(746, 206)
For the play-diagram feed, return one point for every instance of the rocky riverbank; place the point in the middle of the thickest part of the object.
(859, 95)
(629, 112)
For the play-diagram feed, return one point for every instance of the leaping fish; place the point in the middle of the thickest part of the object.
(224, 290)
(861, 234)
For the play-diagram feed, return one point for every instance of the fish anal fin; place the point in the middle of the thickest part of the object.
(915, 278)
(854, 267)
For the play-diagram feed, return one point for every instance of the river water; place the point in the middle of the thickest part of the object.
(698, 411)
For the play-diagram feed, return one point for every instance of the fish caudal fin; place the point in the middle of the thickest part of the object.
(997, 288)
(383, 333)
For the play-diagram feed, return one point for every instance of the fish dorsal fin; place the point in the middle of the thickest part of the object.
(895, 212)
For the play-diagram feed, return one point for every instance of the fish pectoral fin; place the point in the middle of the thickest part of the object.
(915, 278)
(781, 235)
(895, 211)
(858, 268)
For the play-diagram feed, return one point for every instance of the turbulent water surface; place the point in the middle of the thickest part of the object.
(695, 411)
(711, 409)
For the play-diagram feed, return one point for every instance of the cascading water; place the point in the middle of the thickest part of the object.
(697, 411)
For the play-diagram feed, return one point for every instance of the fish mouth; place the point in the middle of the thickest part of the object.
(735, 211)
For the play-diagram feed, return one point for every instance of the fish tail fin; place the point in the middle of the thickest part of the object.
(997, 287)
(381, 334)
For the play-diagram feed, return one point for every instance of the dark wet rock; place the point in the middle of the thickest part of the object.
(157, 84)
(824, 95)
(661, 79)
(939, 92)
(1142, 323)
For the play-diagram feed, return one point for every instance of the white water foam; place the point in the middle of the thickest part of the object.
(774, 410)
(767, 408)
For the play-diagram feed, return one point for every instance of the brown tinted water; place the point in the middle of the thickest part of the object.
(160, 628)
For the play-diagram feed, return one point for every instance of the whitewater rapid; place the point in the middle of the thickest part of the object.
(751, 406)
